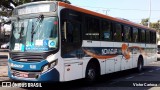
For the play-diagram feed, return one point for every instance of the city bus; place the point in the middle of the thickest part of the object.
(56, 41)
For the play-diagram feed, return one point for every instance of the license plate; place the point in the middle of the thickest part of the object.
(22, 74)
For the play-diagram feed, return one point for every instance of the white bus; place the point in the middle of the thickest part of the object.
(56, 41)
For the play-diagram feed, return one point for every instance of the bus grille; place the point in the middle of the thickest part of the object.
(27, 57)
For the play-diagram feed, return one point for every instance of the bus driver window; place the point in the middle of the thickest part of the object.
(67, 30)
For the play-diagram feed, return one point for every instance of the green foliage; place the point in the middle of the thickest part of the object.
(6, 7)
(145, 22)
(155, 25)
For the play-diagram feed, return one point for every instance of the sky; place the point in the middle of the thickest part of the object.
(133, 10)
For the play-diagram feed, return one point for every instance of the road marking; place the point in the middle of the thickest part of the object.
(130, 77)
(151, 71)
(114, 82)
(141, 74)
(158, 69)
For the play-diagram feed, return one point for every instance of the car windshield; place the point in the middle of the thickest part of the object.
(38, 34)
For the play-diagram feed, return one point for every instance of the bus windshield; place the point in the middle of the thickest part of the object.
(37, 34)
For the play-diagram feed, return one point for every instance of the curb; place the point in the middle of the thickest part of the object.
(4, 79)
(4, 75)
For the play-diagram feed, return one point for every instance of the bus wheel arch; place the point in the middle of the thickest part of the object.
(92, 70)
(140, 63)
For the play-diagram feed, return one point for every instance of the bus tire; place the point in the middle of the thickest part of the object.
(140, 65)
(91, 72)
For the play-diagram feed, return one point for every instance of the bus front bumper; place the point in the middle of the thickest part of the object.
(31, 72)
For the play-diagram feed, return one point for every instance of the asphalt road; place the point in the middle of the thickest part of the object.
(124, 80)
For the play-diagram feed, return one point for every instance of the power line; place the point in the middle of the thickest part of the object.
(145, 18)
(119, 8)
(106, 10)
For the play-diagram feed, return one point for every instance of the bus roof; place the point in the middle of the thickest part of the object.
(102, 16)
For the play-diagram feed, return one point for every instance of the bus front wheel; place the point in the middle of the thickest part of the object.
(91, 73)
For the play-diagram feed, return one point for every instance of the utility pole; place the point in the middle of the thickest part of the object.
(149, 13)
(106, 11)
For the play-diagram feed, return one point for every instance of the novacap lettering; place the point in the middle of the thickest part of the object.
(109, 51)
(16, 65)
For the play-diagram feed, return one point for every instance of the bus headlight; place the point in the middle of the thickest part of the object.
(50, 66)
(45, 68)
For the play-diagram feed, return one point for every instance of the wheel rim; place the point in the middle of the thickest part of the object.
(91, 74)
(140, 66)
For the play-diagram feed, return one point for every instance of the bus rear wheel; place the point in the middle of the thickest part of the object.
(140, 65)
(91, 73)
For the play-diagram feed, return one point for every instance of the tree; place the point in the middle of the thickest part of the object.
(7, 6)
(155, 25)
(145, 22)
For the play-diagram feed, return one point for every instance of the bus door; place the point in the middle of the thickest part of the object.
(127, 60)
(71, 50)
(122, 37)
(135, 43)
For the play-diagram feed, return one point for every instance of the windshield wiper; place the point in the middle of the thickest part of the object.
(39, 20)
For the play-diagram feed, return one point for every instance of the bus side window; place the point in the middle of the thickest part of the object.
(147, 36)
(92, 28)
(127, 34)
(69, 32)
(118, 33)
(143, 35)
(152, 37)
(63, 31)
(135, 35)
(106, 31)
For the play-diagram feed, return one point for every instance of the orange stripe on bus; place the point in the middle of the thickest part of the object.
(98, 56)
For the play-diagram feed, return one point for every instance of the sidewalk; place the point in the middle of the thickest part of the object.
(4, 73)
(3, 65)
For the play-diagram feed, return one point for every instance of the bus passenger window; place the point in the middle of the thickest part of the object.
(92, 28)
(135, 35)
(147, 36)
(118, 33)
(127, 35)
(106, 31)
(69, 32)
(143, 35)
